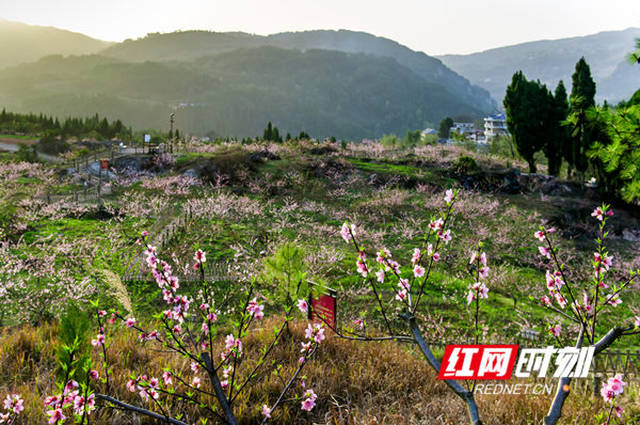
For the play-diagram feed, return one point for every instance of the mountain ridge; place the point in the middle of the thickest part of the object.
(554, 60)
(32, 42)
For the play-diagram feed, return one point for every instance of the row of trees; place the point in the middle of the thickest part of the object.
(272, 134)
(536, 118)
(42, 125)
(599, 141)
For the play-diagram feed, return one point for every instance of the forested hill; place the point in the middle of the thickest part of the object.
(554, 60)
(21, 43)
(190, 45)
(322, 92)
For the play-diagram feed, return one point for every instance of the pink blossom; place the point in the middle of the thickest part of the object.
(380, 275)
(539, 235)
(383, 255)
(303, 306)
(416, 256)
(255, 309)
(309, 401)
(544, 251)
(266, 412)
(445, 236)
(130, 322)
(606, 393)
(308, 404)
(448, 196)
(614, 300)
(195, 382)
(483, 272)
(93, 374)
(200, 256)
(360, 323)
(401, 295)
(347, 231)
(166, 378)
(436, 224)
(546, 300)
(483, 259)
(131, 385)
(56, 416)
(404, 284)
(98, 341)
(637, 322)
(436, 257)
(597, 213)
(418, 271)
(362, 267)
(618, 410)
(555, 330)
(474, 256)
(616, 384)
(471, 295)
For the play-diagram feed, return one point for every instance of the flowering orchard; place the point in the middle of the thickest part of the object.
(398, 290)
(192, 327)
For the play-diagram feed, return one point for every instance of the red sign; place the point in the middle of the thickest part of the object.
(490, 362)
(324, 309)
(104, 164)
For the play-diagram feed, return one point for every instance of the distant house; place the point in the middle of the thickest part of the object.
(463, 128)
(428, 131)
(495, 125)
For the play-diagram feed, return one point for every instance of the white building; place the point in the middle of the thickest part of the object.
(495, 125)
(463, 127)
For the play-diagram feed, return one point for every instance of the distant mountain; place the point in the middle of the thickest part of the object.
(21, 43)
(554, 60)
(189, 45)
(324, 92)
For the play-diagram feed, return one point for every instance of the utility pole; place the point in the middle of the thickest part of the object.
(171, 121)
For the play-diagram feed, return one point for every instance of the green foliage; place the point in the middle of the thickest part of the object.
(73, 351)
(286, 268)
(26, 153)
(412, 138)
(52, 145)
(583, 92)
(465, 165)
(501, 145)
(235, 92)
(530, 115)
(271, 134)
(558, 135)
(618, 149)
(445, 127)
(389, 140)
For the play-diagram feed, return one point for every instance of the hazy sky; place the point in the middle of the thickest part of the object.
(432, 26)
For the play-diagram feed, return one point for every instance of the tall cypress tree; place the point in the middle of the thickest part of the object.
(583, 91)
(558, 136)
(527, 107)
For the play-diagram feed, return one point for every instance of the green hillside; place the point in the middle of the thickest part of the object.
(235, 93)
(188, 45)
(21, 43)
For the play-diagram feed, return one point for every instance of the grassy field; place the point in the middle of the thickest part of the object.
(249, 201)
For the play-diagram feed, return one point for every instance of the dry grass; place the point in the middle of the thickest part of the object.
(357, 383)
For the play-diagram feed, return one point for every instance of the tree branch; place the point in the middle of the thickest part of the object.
(139, 410)
(460, 391)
